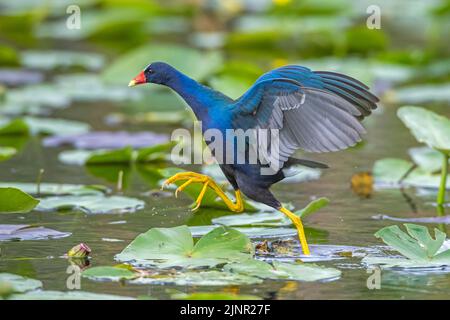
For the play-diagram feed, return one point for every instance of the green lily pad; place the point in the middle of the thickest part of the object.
(424, 93)
(123, 156)
(388, 172)
(109, 273)
(174, 247)
(427, 127)
(28, 232)
(214, 296)
(69, 295)
(19, 284)
(59, 59)
(6, 153)
(16, 201)
(418, 248)
(200, 278)
(273, 219)
(196, 64)
(427, 159)
(56, 188)
(283, 270)
(13, 127)
(191, 278)
(91, 204)
(50, 126)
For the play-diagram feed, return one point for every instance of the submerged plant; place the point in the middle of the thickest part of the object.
(433, 130)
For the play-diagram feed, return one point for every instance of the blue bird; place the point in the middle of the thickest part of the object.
(316, 111)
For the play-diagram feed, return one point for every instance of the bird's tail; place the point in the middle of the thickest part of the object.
(307, 163)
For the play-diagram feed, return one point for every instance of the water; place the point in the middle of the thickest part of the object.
(346, 221)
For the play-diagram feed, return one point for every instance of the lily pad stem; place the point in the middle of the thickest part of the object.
(442, 187)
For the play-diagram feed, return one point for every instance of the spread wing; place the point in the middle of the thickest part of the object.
(313, 111)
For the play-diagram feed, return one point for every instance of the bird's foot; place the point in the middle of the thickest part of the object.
(193, 177)
(300, 231)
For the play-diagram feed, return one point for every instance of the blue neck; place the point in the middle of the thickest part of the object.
(196, 95)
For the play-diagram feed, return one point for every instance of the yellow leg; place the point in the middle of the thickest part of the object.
(301, 232)
(192, 177)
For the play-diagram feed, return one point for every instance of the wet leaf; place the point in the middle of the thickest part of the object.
(427, 159)
(284, 271)
(13, 127)
(174, 247)
(91, 204)
(201, 278)
(214, 296)
(389, 171)
(15, 77)
(19, 284)
(59, 59)
(29, 232)
(6, 153)
(109, 273)
(107, 140)
(419, 249)
(49, 126)
(424, 93)
(427, 127)
(14, 200)
(55, 188)
(69, 295)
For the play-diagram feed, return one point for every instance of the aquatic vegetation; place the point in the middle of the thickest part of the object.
(433, 130)
(124, 156)
(14, 200)
(46, 126)
(18, 284)
(90, 204)
(28, 232)
(174, 247)
(418, 249)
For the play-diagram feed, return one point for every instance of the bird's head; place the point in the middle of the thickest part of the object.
(156, 72)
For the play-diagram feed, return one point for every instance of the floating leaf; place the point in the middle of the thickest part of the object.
(28, 232)
(201, 278)
(69, 295)
(107, 140)
(214, 296)
(16, 77)
(424, 93)
(109, 273)
(427, 159)
(6, 153)
(92, 204)
(14, 200)
(427, 127)
(13, 127)
(58, 59)
(18, 283)
(174, 247)
(444, 219)
(388, 172)
(196, 64)
(418, 247)
(282, 270)
(55, 188)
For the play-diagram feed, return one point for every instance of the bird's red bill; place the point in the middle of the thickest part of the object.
(139, 79)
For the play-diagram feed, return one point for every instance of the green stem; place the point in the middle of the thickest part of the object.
(442, 187)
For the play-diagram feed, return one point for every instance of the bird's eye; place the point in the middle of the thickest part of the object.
(150, 71)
